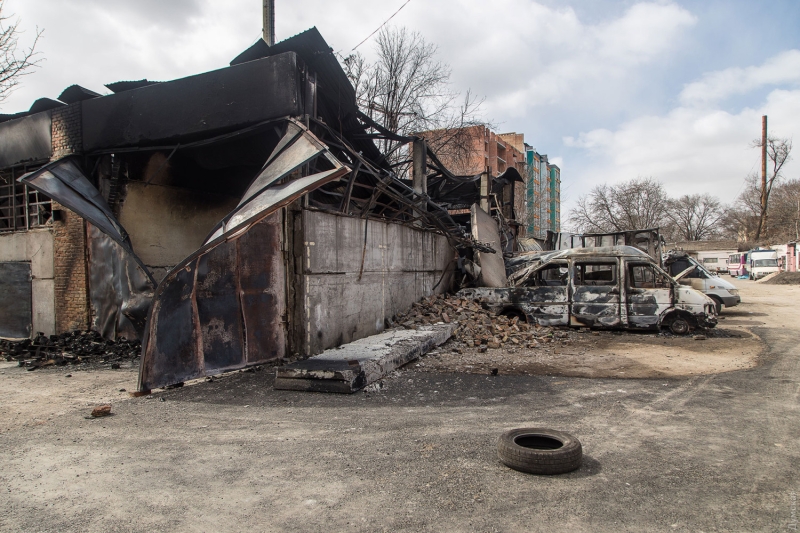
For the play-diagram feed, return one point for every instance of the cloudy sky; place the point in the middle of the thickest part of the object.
(609, 89)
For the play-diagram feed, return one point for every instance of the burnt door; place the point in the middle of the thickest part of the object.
(595, 294)
(15, 300)
(648, 293)
(547, 295)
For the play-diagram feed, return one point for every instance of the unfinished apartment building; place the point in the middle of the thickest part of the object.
(225, 219)
(494, 164)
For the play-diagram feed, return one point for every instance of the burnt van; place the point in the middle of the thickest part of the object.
(618, 287)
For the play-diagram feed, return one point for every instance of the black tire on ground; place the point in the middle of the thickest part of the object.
(679, 326)
(539, 451)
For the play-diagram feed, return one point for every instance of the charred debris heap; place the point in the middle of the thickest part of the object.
(74, 348)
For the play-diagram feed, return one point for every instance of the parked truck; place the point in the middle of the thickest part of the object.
(762, 262)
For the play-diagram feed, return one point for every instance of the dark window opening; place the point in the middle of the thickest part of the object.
(21, 207)
(646, 277)
(555, 275)
(602, 274)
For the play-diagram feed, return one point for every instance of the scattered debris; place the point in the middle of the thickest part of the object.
(101, 410)
(73, 348)
(477, 327)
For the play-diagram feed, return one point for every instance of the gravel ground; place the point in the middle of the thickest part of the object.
(716, 452)
(785, 278)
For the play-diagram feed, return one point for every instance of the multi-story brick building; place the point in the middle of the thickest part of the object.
(482, 151)
(537, 201)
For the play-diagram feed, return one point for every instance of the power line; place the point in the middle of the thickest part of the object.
(381, 26)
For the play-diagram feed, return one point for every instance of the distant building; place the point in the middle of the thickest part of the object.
(536, 202)
(543, 194)
(483, 150)
(555, 198)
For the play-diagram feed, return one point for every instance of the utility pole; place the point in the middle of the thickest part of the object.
(269, 22)
(763, 228)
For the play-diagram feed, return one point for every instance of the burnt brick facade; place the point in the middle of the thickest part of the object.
(67, 130)
(69, 233)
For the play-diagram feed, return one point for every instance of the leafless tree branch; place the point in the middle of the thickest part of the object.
(778, 153)
(15, 62)
(407, 91)
(637, 204)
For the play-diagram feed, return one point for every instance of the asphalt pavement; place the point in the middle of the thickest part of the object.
(706, 453)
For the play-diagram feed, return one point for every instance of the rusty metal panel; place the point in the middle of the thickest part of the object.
(231, 313)
(203, 104)
(596, 298)
(173, 355)
(15, 300)
(119, 290)
(262, 274)
(64, 182)
(26, 139)
(217, 297)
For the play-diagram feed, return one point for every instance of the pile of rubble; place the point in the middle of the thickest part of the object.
(477, 327)
(76, 347)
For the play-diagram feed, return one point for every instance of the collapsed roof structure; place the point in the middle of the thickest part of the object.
(225, 215)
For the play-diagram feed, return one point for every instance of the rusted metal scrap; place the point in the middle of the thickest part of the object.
(214, 311)
(122, 285)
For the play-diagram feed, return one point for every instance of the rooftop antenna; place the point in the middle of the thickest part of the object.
(269, 22)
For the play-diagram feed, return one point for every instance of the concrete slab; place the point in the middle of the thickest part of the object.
(353, 366)
(484, 229)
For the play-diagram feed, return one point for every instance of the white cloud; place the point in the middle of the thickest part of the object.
(523, 54)
(94, 42)
(520, 54)
(691, 150)
(714, 87)
(530, 59)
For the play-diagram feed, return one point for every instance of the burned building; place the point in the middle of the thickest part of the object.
(226, 219)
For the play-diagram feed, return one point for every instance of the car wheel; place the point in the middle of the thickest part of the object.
(539, 451)
(717, 305)
(679, 326)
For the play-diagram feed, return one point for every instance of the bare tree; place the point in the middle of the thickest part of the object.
(743, 217)
(784, 216)
(407, 91)
(778, 152)
(637, 204)
(695, 217)
(14, 62)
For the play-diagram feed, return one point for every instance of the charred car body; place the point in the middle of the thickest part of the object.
(618, 287)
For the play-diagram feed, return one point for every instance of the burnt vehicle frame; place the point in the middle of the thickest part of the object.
(618, 287)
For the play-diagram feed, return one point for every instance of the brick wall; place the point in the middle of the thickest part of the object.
(69, 244)
(67, 130)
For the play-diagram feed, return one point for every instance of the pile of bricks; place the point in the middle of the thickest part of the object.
(477, 327)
